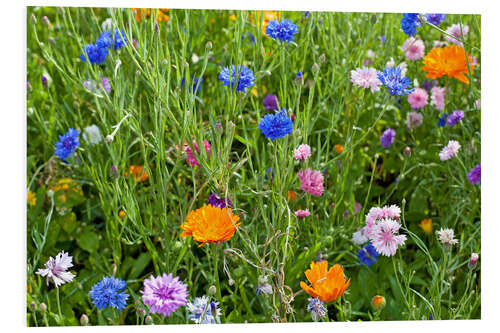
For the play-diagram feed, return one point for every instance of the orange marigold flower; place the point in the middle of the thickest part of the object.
(210, 224)
(339, 148)
(31, 198)
(327, 285)
(378, 302)
(136, 171)
(447, 61)
(426, 225)
(291, 195)
(141, 13)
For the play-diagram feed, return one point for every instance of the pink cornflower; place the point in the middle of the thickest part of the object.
(302, 152)
(413, 120)
(413, 49)
(301, 213)
(477, 104)
(366, 78)
(450, 150)
(377, 213)
(418, 98)
(311, 181)
(164, 294)
(457, 30)
(446, 237)
(190, 157)
(56, 269)
(385, 237)
(437, 97)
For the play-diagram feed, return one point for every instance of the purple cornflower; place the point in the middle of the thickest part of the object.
(45, 82)
(387, 137)
(454, 118)
(215, 201)
(474, 176)
(271, 102)
(428, 85)
(164, 294)
(435, 19)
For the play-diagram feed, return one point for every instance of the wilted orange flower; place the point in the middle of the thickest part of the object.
(136, 172)
(426, 225)
(31, 198)
(447, 61)
(339, 148)
(141, 13)
(378, 302)
(210, 224)
(327, 285)
(291, 195)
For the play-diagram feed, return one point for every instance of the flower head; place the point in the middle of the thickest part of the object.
(418, 98)
(109, 293)
(31, 198)
(311, 181)
(137, 172)
(271, 102)
(215, 201)
(195, 84)
(437, 97)
(409, 23)
(413, 120)
(120, 39)
(368, 255)
(442, 120)
(201, 311)
(446, 237)
(378, 302)
(366, 78)
(454, 118)
(395, 81)
(413, 49)
(387, 138)
(385, 237)
(164, 294)
(56, 269)
(302, 152)
(95, 53)
(105, 39)
(317, 308)
(276, 126)
(67, 144)
(474, 257)
(435, 19)
(447, 61)
(242, 76)
(450, 150)
(301, 213)
(426, 225)
(210, 224)
(190, 156)
(92, 135)
(326, 284)
(458, 31)
(359, 237)
(474, 175)
(281, 29)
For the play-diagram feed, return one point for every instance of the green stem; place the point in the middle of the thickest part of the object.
(216, 276)
(58, 304)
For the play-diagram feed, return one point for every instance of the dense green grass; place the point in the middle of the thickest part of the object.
(156, 115)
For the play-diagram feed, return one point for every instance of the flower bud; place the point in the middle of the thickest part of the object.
(33, 19)
(473, 260)
(46, 21)
(33, 306)
(374, 18)
(84, 320)
(218, 128)
(109, 138)
(268, 72)
(149, 320)
(407, 151)
(315, 68)
(209, 45)
(42, 307)
(378, 302)
(122, 214)
(322, 58)
(212, 290)
(141, 312)
(231, 282)
(45, 81)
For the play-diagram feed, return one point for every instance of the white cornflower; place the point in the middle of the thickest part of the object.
(56, 269)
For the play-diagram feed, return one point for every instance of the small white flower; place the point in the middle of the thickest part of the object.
(107, 24)
(92, 135)
(446, 237)
(359, 237)
(56, 269)
(194, 58)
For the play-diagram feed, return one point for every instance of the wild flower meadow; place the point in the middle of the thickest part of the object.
(218, 166)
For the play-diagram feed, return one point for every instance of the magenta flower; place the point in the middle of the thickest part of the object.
(311, 181)
(164, 294)
(418, 98)
(449, 151)
(437, 97)
(302, 152)
(56, 269)
(385, 237)
(301, 213)
(366, 78)
(457, 30)
(413, 49)
(376, 213)
(190, 157)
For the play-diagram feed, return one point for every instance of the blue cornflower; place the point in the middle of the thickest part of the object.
(368, 255)
(203, 312)
(393, 79)
(277, 125)
(269, 171)
(195, 84)
(105, 39)
(317, 308)
(67, 144)
(109, 293)
(442, 120)
(299, 76)
(96, 54)
(281, 29)
(119, 42)
(229, 75)
(409, 23)
(251, 38)
(435, 19)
